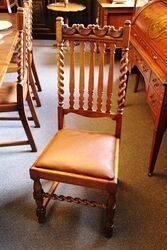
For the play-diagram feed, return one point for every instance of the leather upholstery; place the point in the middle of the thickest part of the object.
(80, 152)
(8, 93)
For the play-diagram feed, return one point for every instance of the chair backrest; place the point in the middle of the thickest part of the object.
(9, 5)
(97, 39)
(29, 24)
(22, 48)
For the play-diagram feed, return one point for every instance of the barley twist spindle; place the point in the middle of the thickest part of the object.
(60, 61)
(122, 80)
(30, 27)
(60, 74)
(27, 46)
(20, 57)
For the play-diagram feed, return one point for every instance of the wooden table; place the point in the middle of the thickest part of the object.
(115, 14)
(66, 9)
(8, 43)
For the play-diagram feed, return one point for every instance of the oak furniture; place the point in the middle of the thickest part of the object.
(65, 8)
(149, 53)
(14, 94)
(33, 76)
(8, 44)
(95, 163)
(113, 13)
(7, 6)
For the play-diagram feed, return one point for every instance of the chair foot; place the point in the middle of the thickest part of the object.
(39, 198)
(33, 148)
(150, 174)
(110, 210)
(41, 215)
(108, 231)
(27, 129)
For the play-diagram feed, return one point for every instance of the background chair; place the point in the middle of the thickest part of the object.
(85, 158)
(11, 6)
(13, 95)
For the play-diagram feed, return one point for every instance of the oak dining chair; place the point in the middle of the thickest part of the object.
(14, 94)
(10, 7)
(33, 76)
(80, 157)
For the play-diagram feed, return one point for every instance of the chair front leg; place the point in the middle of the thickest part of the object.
(38, 196)
(110, 210)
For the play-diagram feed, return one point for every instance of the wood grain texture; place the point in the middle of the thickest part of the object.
(110, 79)
(82, 75)
(72, 74)
(101, 47)
(148, 53)
(91, 76)
(8, 44)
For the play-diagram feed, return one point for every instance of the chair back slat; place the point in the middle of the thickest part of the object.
(72, 75)
(101, 41)
(110, 79)
(101, 47)
(91, 76)
(22, 46)
(122, 80)
(60, 62)
(82, 75)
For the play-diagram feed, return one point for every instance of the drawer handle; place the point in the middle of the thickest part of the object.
(154, 56)
(144, 69)
(156, 84)
(153, 99)
(154, 80)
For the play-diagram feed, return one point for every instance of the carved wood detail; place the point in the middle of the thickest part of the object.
(95, 30)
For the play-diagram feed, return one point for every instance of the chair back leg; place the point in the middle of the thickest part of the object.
(33, 87)
(27, 129)
(32, 109)
(35, 75)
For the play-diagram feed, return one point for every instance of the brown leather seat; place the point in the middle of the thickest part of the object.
(80, 152)
(8, 93)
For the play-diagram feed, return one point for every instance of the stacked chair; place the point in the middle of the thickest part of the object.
(77, 157)
(33, 76)
(14, 94)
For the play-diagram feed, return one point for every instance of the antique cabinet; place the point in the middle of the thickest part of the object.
(114, 13)
(148, 53)
(43, 23)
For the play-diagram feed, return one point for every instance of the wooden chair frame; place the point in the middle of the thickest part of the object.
(22, 84)
(33, 76)
(93, 34)
(32, 69)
